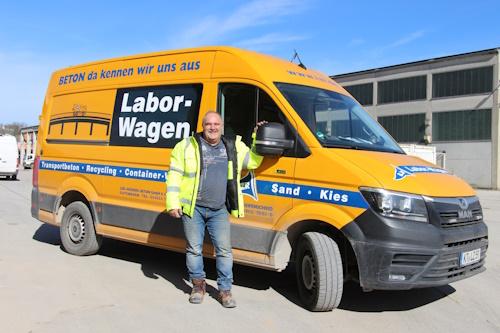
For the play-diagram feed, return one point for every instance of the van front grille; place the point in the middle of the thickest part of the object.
(455, 219)
(456, 212)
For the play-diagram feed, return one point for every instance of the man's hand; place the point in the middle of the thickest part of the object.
(176, 213)
(260, 123)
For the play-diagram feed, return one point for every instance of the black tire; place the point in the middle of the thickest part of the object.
(319, 272)
(77, 230)
(14, 177)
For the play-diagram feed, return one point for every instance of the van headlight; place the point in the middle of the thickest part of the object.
(396, 205)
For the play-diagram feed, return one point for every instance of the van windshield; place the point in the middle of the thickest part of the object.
(337, 120)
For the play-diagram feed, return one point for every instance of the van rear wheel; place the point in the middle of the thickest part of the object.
(77, 230)
(319, 272)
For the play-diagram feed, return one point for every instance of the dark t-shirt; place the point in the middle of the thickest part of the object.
(213, 176)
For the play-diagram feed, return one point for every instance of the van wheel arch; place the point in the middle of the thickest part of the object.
(296, 231)
(68, 198)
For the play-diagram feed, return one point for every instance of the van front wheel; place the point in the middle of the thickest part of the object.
(77, 230)
(319, 272)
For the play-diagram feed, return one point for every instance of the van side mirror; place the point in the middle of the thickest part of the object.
(270, 140)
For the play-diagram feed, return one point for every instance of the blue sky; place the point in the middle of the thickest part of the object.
(335, 37)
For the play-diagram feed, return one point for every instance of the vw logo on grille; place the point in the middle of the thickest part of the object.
(463, 203)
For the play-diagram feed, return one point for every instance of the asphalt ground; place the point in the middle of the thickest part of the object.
(133, 288)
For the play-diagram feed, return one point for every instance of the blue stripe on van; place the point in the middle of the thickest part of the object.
(303, 192)
(105, 170)
(312, 193)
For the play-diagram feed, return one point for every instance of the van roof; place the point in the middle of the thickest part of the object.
(193, 63)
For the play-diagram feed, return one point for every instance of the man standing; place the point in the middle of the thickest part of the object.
(203, 184)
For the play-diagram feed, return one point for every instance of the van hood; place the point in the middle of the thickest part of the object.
(410, 174)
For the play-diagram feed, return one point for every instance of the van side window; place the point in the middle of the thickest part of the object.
(243, 105)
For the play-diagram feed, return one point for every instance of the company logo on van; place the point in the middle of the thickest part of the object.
(155, 116)
(465, 214)
(248, 186)
(463, 203)
(410, 171)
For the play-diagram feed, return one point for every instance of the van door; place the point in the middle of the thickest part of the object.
(268, 190)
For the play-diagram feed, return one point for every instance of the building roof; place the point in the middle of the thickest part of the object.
(488, 51)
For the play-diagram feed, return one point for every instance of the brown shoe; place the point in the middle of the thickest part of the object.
(227, 299)
(198, 291)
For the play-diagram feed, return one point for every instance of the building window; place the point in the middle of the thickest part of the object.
(471, 125)
(408, 128)
(464, 82)
(402, 90)
(363, 93)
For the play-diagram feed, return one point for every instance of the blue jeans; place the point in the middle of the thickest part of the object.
(218, 226)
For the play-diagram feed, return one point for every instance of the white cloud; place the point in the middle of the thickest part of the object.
(216, 28)
(357, 42)
(408, 39)
(379, 51)
(267, 42)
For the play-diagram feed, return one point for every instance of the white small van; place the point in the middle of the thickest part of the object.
(9, 157)
(28, 161)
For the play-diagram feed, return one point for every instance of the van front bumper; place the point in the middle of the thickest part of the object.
(401, 255)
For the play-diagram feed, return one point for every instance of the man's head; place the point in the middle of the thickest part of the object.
(212, 127)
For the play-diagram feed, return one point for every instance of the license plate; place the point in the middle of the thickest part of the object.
(470, 257)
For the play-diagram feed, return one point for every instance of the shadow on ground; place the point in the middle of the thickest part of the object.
(158, 263)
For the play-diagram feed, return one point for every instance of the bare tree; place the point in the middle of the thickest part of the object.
(12, 128)
(17, 127)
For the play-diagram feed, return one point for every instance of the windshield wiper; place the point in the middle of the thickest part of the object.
(334, 145)
(357, 140)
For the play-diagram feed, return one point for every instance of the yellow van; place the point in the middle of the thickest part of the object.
(335, 193)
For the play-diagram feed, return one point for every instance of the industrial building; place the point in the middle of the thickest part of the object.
(450, 102)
